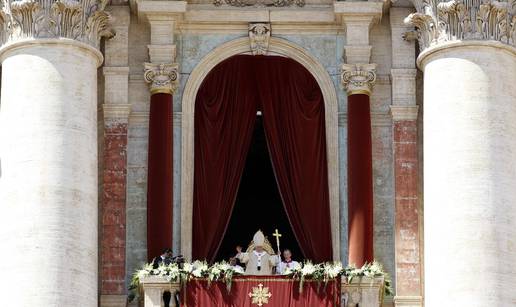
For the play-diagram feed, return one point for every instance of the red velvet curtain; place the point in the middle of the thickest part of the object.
(159, 181)
(360, 180)
(293, 114)
(225, 113)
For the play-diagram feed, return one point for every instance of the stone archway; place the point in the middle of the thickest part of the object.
(219, 54)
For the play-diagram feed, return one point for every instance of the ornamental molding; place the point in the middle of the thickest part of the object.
(260, 3)
(259, 36)
(358, 78)
(404, 113)
(457, 20)
(162, 78)
(82, 20)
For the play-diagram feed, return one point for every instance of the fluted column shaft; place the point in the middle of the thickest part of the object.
(48, 151)
(469, 63)
(469, 176)
(48, 188)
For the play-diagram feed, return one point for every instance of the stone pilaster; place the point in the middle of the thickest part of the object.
(116, 110)
(48, 139)
(404, 113)
(469, 62)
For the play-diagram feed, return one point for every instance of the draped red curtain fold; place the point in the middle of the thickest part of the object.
(360, 180)
(159, 182)
(293, 114)
(225, 113)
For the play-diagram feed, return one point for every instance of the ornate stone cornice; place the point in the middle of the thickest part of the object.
(458, 20)
(273, 3)
(82, 20)
(163, 78)
(358, 78)
(259, 35)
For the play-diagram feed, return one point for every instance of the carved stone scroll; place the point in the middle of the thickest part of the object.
(163, 78)
(358, 78)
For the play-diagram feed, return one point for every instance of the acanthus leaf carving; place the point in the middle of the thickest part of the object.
(82, 20)
(440, 21)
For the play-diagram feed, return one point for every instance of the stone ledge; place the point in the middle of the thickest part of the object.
(110, 300)
(400, 113)
(408, 301)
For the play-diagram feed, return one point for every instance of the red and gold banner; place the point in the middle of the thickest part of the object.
(266, 291)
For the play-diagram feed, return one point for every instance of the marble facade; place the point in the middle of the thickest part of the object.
(445, 70)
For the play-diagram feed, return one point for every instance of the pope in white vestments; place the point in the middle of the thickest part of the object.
(258, 261)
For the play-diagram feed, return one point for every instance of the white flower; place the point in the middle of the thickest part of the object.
(200, 268)
(187, 267)
(215, 271)
(142, 273)
(238, 270)
(308, 269)
(225, 266)
(332, 270)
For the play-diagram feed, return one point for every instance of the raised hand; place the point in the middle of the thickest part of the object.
(239, 249)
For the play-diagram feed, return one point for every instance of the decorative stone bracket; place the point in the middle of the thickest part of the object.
(163, 78)
(81, 20)
(358, 78)
(259, 35)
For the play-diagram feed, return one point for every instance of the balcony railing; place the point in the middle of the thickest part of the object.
(364, 291)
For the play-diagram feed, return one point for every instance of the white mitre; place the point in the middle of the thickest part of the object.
(259, 238)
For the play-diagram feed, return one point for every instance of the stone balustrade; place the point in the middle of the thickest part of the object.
(364, 291)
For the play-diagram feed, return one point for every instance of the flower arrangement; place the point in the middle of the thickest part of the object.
(321, 273)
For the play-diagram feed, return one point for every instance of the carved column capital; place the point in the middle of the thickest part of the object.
(358, 78)
(162, 78)
(456, 20)
(82, 20)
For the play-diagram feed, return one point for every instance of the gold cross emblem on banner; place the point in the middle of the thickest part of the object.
(260, 295)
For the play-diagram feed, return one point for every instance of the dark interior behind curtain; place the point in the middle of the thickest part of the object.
(293, 112)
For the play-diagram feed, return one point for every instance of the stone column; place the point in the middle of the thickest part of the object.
(469, 62)
(358, 77)
(358, 80)
(404, 113)
(116, 116)
(162, 74)
(48, 152)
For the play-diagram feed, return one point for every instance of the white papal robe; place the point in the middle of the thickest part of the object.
(258, 263)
